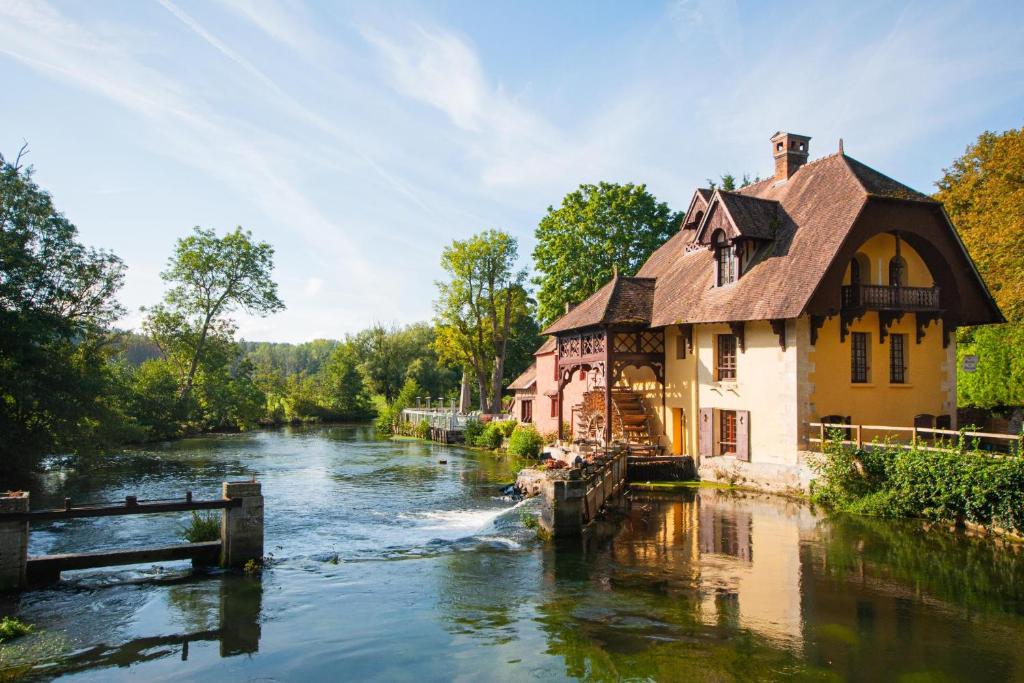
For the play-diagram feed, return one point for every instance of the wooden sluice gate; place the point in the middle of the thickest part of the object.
(241, 534)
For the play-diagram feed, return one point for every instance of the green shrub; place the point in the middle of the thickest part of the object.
(506, 427)
(490, 437)
(474, 428)
(422, 430)
(954, 483)
(201, 528)
(11, 628)
(525, 441)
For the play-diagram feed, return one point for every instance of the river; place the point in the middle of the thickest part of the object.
(389, 565)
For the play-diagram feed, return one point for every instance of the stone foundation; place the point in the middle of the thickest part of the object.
(241, 530)
(771, 477)
(13, 542)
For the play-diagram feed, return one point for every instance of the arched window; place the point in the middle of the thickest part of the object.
(860, 270)
(897, 271)
(725, 258)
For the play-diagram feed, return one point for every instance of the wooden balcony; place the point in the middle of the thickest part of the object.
(886, 298)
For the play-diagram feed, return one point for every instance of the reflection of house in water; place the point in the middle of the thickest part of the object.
(749, 558)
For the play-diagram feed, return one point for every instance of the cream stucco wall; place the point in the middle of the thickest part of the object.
(767, 385)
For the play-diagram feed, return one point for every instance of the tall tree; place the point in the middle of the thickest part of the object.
(478, 307)
(56, 303)
(597, 228)
(983, 191)
(210, 277)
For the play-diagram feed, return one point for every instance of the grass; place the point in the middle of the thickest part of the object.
(11, 628)
(202, 528)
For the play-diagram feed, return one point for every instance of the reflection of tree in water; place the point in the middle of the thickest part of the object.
(194, 606)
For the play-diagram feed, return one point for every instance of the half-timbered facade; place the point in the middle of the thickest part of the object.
(828, 290)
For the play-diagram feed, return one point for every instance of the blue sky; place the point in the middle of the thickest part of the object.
(360, 138)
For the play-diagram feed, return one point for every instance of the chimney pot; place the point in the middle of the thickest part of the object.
(790, 152)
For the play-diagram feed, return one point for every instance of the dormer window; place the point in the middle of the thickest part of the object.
(725, 258)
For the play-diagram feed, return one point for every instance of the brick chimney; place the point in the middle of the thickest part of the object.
(790, 152)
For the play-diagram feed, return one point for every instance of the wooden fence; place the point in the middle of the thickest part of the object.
(920, 437)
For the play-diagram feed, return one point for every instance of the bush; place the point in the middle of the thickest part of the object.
(201, 528)
(422, 430)
(506, 427)
(525, 441)
(952, 484)
(474, 428)
(491, 437)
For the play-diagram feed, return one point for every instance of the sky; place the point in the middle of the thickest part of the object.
(360, 138)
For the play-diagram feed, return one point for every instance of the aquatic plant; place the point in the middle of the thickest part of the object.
(253, 567)
(525, 441)
(202, 528)
(11, 628)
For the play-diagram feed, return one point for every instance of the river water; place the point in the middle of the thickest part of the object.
(389, 565)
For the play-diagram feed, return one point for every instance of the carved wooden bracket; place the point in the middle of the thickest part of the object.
(885, 321)
(686, 336)
(846, 318)
(739, 331)
(921, 320)
(816, 322)
(779, 328)
(947, 333)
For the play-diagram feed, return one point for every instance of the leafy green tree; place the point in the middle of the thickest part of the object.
(478, 308)
(344, 391)
(57, 299)
(210, 277)
(597, 228)
(983, 191)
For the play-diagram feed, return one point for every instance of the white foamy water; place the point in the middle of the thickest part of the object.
(450, 525)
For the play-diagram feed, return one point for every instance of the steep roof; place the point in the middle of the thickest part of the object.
(525, 380)
(802, 223)
(623, 301)
(547, 347)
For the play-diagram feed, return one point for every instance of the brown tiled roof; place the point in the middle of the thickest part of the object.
(803, 222)
(525, 380)
(547, 347)
(623, 301)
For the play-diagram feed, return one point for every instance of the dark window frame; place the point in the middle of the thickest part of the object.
(725, 358)
(727, 431)
(860, 358)
(554, 406)
(725, 259)
(897, 359)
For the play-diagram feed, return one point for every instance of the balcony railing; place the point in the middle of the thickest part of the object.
(885, 298)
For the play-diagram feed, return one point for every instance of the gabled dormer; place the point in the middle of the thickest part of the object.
(734, 227)
(698, 207)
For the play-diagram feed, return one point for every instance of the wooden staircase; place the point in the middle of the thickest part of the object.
(631, 413)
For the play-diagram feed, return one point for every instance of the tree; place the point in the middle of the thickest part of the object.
(57, 299)
(478, 307)
(983, 192)
(728, 182)
(210, 277)
(342, 384)
(597, 228)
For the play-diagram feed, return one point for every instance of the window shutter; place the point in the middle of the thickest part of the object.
(743, 435)
(706, 431)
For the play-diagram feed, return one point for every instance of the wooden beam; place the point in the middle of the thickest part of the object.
(885, 321)
(739, 331)
(47, 568)
(816, 323)
(779, 328)
(117, 510)
(686, 336)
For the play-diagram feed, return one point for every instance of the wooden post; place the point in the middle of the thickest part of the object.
(561, 435)
(241, 528)
(860, 440)
(821, 426)
(607, 388)
(913, 434)
(13, 542)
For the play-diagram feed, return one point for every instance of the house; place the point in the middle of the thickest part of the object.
(827, 291)
(535, 392)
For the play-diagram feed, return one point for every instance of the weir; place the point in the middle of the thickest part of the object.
(241, 534)
(572, 503)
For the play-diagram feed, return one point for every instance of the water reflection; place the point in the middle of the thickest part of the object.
(711, 583)
(224, 610)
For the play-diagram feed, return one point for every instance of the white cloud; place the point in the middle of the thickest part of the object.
(313, 286)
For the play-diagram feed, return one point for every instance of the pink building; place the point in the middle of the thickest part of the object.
(535, 392)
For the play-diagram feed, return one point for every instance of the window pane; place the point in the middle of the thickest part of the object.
(726, 359)
(859, 358)
(897, 358)
(727, 432)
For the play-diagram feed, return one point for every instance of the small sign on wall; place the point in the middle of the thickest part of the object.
(970, 363)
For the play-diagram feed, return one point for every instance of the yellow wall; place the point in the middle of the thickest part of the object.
(930, 386)
(879, 250)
